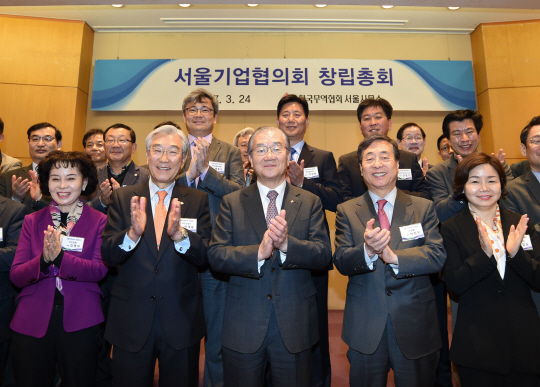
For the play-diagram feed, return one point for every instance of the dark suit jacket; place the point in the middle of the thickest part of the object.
(353, 184)
(520, 168)
(11, 220)
(372, 295)
(215, 184)
(7, 192)
(151, 283)
(9, 163)
(523, 197)
(239, 230)
(497, 327)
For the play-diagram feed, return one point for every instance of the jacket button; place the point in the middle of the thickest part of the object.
(153, 298)
(269, 296)
(388, 292)
(273, 270)
(158, 271)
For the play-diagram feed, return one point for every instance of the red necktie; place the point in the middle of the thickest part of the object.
(383, 219)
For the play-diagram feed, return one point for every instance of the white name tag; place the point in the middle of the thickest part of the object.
(189, 224)
(411, 232)
(72, 243)
(1, 234)
(219, 167)
(526, 242)
(404, 174)
(311, 173)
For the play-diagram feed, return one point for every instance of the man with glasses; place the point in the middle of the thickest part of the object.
(444, 148)
(241, 140)
(21, 184)
(214, 167)
(412, 138)
(268, 237)
(94, 146)
(120, 170)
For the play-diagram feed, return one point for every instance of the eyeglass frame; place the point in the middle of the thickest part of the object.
(206, 113)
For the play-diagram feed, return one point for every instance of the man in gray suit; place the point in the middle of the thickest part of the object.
(215, 167)
(390, 318)
(7, 163)
(268, 237)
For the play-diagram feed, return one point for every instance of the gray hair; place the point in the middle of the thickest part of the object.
(244, 132)
(264, 129)
(198, 95)
(167, 130)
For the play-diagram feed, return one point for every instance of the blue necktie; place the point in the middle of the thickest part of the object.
(293, 152)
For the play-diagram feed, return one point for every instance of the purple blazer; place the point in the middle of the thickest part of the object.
(80, 273)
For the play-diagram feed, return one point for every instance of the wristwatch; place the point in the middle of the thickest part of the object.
(183, 237)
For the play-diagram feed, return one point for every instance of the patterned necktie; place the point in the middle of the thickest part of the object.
(293, 152)
(271, 213)
(383, 219)
(159, 216)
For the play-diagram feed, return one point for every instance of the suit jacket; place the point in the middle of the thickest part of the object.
(134, 175)
(353, 184)
(497, 327)
(520, 168)
(9, 163)
(441, 184)
(154, 282)
(215, 184)
(79, 271)
(523, 197)
(11, 220)
(372, 295)
(7, 192)
(287, 286)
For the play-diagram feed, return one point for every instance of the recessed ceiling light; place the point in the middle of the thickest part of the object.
(184, 5)
(117, 5)
(320, 5)
(387, 6)
(453, 8)
(252, 5)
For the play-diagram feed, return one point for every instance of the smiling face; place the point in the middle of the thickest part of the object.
(96, 149)
(200, 125)
(413, 141)
(165, 159)
(293, 121)
(483, 188)
(446, 149)
(379, 168)
(41, 143)
(243, 145)
(374, 121)
(119, 154)
(270, 167)
(65, 186)
(463, 137)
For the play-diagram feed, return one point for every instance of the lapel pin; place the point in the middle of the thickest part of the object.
(182, 203)
(292, 201)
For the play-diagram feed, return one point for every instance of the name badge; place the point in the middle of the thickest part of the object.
(219, 167)
(404, 174)
(189, 224)
(1, 234)
(411, 232)
(311, 173)
(526, 242)
(72, 243)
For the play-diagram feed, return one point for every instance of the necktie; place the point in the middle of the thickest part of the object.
(383, 219)
(159, 216)
(195, 182)
(271, 213)
(293, 152)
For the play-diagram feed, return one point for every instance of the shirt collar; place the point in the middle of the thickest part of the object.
(280, 189)
(536, 174)
(124, 168)
(390, 197)
(193, 138)
(154, 188)
(298, 147)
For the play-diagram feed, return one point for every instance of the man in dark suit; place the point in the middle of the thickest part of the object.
(315, 171)
(270, 310)
(11, 220)
(411, 137)
(375, 117)
(156, 305)
(21, 184)
(390, 318)
(215, 167)
(7, 163)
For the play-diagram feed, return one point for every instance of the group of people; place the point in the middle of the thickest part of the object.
(231, 243)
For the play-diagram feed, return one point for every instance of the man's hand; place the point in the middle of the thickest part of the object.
(201, 150)
(388, 256)
(501, 155)
(279, 232)
(35, 191)
(296, 173)
(105, 190)
(192, 173)
(174, 228)
(266, 247)
(19, 188)
(425, 165)
(376, 239)
(138, 218)
(248, 171)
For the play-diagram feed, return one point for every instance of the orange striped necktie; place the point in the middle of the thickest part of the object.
(160, 214)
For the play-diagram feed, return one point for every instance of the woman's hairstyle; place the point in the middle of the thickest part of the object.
(470, 162)
(59, 159)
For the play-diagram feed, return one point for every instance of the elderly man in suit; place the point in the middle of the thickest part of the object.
(390, 318)
(375, 117)
(21, 184)
(7, 163)
(315, 171)
(156, 305)
(411, 137)
(214, 167)
(268, 237)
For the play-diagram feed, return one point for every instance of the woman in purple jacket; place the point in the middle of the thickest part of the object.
(58, 265)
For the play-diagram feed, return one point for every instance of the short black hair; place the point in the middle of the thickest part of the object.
(400, 131)
(370, 140)
(441, 137)
(42, 125)
(462, 115)
(289, 98)
(122, 126)
(60, 159)
(90, 133)
(525, 132)
(1, 126)
(171, 123)
(374, 102)
(465, 166)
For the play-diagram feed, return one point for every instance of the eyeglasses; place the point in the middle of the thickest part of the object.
(171, 152)
(121, 141)
(410, 138)
(534, 141)
(37, 139)
(262, 150)
(204, 111)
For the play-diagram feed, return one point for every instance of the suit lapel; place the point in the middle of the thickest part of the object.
(306, 155)
(533, 186)
(131, 175)
(402, 216)
(291, 204)
(365, 210)
(149, 235)
(251, 201)
(214, 148)
(179, 194)
(2, 206)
